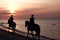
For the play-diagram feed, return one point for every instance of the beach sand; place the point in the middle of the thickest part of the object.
(18, 35)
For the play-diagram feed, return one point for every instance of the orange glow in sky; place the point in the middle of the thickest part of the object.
(11, 6)
(30, 6)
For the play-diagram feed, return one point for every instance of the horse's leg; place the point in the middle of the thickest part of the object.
(27, 33)
(9, 28)
(38, 37)
(14, 29)
(38, 34)
(32, 34)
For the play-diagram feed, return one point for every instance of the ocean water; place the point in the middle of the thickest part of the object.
(49, 27)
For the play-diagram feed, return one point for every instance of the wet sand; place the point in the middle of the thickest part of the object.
(18, 35)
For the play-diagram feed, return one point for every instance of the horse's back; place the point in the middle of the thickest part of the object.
(14, 24)
(37, 26)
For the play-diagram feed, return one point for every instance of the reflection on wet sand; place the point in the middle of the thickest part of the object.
(18, 32)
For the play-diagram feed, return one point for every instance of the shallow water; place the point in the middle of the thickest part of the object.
(49, 27)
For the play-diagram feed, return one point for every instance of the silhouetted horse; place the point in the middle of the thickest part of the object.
(12, 26)
(32, 28)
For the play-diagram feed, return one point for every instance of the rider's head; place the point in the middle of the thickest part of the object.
(11, 15)
(32, 15)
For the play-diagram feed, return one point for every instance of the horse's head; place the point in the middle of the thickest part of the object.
(26, 23)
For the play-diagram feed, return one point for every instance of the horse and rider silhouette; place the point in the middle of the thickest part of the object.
(31, 26)
(12, 24)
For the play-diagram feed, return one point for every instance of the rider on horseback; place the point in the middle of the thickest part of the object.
(32, 20)
(11, 23)
(10, 20)
(31, 26)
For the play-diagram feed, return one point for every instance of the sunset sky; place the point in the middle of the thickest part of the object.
(22, 8)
